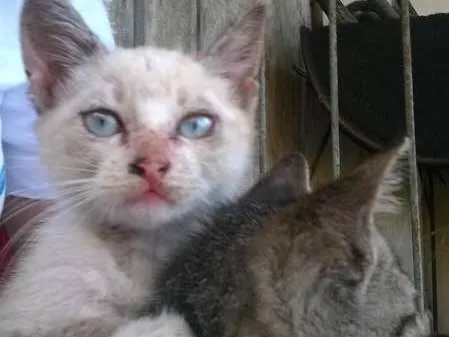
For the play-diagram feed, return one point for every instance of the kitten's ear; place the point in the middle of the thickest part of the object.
(371, 185)
(285, 182)
(237, 53)
(349, 204)
(54, 40)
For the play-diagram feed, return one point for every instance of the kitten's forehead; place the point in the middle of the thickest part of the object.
(165, 82)
(154, 72)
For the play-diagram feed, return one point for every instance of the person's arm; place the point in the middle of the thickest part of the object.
(28, 193)
(19, 212)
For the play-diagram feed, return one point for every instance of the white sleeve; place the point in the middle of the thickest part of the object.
(24, 175)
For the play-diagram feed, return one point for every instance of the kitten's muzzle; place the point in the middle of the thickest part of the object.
(153, 172)
(155, 169)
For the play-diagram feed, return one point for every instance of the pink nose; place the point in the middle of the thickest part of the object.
(151, 169)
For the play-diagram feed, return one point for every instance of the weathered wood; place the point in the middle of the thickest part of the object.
(171, 23)
(121, 15)
(284, 87)
(215, 15)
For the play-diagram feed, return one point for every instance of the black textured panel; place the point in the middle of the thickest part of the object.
(371, 81)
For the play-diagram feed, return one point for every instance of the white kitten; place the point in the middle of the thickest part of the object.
(140, 143)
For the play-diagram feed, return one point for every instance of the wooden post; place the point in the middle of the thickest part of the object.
(171, 24)
(121, 15)
(286, 90)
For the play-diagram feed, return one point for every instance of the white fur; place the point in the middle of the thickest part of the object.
(387, 200)
(72, 275)
(95, 258)
(156, 114)
(164, 325)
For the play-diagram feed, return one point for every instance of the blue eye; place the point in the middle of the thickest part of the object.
(102, 124)
(196, 126)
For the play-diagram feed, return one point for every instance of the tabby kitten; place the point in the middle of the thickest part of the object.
(318, 268)
(141, 144)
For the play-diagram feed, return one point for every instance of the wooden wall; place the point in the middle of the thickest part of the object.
(289, 118)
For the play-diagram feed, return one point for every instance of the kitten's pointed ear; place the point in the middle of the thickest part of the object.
(54, 40)
(237, 53)
(371, 185)
(285, 182)
(349, 203)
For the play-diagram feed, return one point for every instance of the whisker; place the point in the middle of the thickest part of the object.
(39, 217)
(56, 186)
(62, 168)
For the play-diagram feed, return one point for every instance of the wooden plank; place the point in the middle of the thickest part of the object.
(285, 89)
(121, 15)
(170, 23)
(214, 15)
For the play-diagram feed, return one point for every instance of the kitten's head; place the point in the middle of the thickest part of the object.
(344, 270)
(144, 135)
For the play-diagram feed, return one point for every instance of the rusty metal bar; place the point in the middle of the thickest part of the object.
(343, 14)
(333, 59)
(262, 119)
(413, 179)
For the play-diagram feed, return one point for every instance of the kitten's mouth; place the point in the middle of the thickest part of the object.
(156, 195)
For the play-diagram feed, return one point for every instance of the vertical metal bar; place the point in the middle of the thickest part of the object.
(333, 60)
(263, 153)
(410, 122)
(432, 230)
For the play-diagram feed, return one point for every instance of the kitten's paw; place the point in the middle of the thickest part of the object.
(164, 325)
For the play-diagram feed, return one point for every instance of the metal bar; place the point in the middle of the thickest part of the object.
(333, 59)
(343, 14)
(263, 152)
(397, 4)
(432, 230)
(413, 180)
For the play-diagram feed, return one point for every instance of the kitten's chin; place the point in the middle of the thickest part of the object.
(151, 212)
